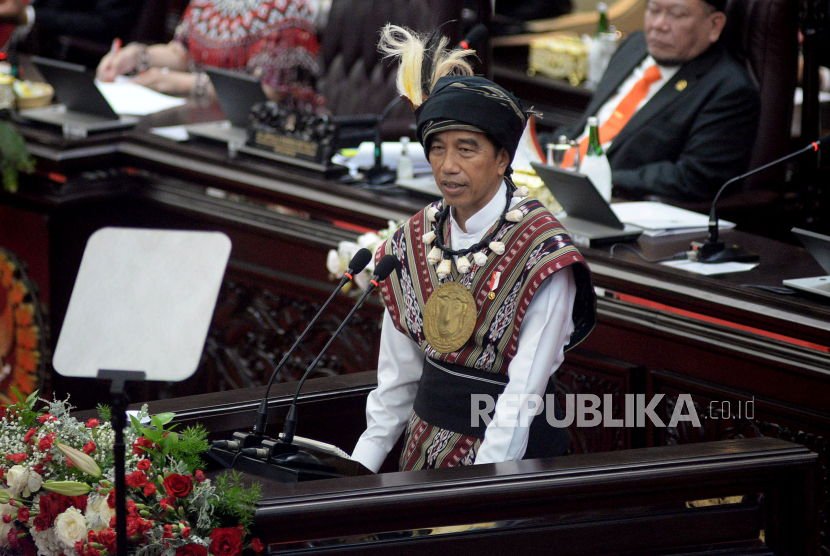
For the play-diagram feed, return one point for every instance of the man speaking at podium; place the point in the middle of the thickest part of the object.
(490, 290)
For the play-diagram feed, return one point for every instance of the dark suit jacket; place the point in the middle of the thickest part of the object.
(694, 134)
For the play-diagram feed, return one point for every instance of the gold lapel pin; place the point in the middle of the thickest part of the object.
(680, 85)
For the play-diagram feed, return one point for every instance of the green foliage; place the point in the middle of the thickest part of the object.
(104, 412)
(14, 157)
(25, 406)
(237, 502)
(192, 444)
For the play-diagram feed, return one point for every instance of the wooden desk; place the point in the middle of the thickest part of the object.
(660, 330)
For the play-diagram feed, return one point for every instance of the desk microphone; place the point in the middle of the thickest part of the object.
(356, 265)
(383, 269)
(715, 251)
(379, 173)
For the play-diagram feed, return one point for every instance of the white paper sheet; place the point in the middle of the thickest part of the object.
(174, 132)
(128, 98)
(658, 219)
(708, 269)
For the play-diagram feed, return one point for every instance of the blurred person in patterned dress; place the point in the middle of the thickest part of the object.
(273, 40)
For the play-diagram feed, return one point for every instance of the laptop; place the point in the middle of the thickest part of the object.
(819, 247)
(590, 220)
(237, 93)
(82, 106)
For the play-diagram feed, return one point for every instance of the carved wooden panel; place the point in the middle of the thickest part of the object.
(727, 414)
(587, 373)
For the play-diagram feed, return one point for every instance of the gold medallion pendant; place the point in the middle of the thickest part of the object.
(449, 317)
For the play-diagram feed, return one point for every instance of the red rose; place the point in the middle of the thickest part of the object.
(92, 423)
(191, 550)
(107, 540)
(2, 473)
(185, 532)
(17, 458)
(136, 479)
(45, 443)
(200, 476)
(111, 499)
(168, 532)
(178, 485)
(141, 443)
(23, 514)
(51, 505)
(89, 447)
(7, 518)
(149, 490)
(226, 541)
(256, 545)
(28, 438)
(143, 465)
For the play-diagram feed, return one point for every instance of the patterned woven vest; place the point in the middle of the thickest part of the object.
(535, 248)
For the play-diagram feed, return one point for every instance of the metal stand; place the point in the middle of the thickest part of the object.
(118, 417)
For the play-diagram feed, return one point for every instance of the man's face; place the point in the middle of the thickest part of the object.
(467, 169)
(680, 30)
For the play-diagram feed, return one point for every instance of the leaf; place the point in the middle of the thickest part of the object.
(165, 418)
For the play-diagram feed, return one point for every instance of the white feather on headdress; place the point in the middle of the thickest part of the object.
(424, 59)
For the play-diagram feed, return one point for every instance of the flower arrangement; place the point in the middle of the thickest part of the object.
(56, 500)
(338, 259)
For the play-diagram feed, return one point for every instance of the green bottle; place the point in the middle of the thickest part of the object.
(594, 146)
(602, 25)
(595, 164)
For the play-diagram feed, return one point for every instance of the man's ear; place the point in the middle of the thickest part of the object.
(718, 20)
(502, 161)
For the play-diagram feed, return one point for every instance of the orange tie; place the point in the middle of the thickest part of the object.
(625, 109)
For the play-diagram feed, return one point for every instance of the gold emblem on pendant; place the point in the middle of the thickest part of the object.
(449, 317)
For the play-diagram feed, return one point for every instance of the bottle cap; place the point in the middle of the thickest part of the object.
(592, 121)
(563, 139)
(602, 7)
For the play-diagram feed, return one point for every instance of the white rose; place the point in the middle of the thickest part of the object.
(5, 509)
(70, 527)
(369, 240)
(17, 478)
(33, 485)
(98, 513)
(333, 263)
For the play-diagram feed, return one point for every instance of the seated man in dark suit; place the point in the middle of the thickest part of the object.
(677, 114)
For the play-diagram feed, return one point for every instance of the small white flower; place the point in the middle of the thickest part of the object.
(480, 259)
(463, 265)
(514, 216)
(444, 269)
(434, 256)
(428, 237)
(71, 527)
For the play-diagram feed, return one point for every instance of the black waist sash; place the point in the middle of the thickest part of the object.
(444, 400)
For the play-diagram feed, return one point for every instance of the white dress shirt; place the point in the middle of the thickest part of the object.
(605, 111)
(545, 330)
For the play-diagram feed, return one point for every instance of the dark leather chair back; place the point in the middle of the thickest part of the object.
(764, 34)
(354, 78)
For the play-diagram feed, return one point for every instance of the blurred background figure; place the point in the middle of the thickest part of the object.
(273, 40)
(75, 30)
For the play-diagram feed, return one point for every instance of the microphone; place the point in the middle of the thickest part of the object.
(380, 173)
(383, 269)
(356, 265)
(715, 251)
(477, 34)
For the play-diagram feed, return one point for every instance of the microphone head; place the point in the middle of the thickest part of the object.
(476, 35)
(825, 139)
(385, 267)
(359, 261)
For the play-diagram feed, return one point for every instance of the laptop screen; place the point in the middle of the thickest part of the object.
(577, 195)
(237, 92)
(818, 245)
(74, 87)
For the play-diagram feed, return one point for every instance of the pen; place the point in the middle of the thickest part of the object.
(116, 46)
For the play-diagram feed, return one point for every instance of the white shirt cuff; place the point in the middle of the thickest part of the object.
(369, 454)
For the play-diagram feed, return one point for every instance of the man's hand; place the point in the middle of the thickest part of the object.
(13, 11)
